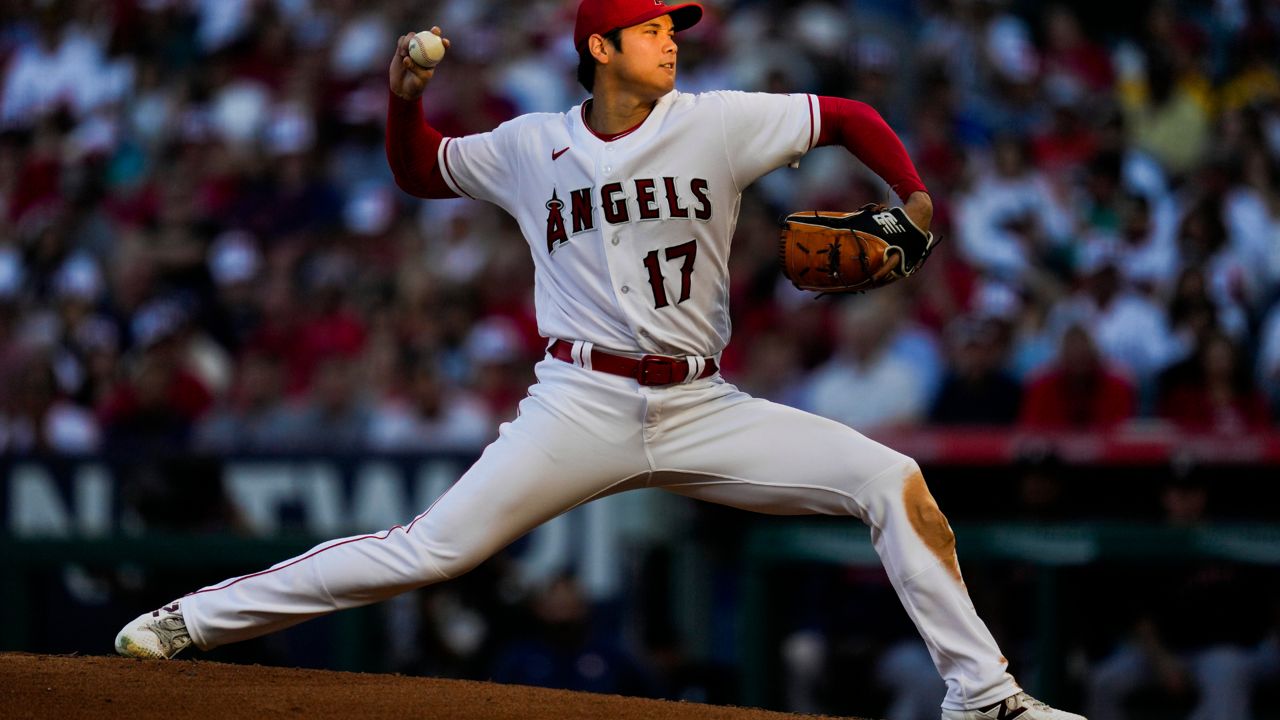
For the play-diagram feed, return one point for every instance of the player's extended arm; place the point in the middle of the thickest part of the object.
(412, 144)
(861, 130)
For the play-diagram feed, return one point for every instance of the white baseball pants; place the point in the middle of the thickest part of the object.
(582, 435)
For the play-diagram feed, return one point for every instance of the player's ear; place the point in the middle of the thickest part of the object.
(599, 48)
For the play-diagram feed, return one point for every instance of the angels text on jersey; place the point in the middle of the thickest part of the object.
(619, 202)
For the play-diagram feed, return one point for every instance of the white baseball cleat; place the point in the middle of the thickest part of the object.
(158, 635)
(1021, 706)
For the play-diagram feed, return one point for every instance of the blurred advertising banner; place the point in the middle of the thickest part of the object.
(259, 496)
(97, 498)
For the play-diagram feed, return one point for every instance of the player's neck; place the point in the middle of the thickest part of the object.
(613, 112)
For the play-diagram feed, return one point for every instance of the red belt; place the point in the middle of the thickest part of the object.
(648, 370)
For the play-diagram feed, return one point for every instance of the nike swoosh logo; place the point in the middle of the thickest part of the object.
(555, 154)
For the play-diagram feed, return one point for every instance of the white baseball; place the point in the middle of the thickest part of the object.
(426, 49)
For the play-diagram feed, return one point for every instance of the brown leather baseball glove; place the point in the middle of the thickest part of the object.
(851, 252)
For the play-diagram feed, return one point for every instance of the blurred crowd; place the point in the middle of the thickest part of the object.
(202, 247)
(201, 244)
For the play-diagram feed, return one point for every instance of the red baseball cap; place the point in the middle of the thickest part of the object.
(597, 17)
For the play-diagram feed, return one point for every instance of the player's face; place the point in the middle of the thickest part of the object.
(648, 60)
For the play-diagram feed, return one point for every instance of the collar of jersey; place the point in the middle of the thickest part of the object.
(582, 114)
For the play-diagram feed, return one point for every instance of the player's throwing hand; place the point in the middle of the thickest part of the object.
(407, 78)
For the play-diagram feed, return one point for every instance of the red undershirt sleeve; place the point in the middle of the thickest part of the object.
(413, 150)
(861, 130)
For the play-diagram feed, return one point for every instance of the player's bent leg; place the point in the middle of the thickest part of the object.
(545, 462)
(760, 456)
(916, 547)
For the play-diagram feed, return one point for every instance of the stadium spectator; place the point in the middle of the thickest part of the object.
(1251, 208)
(1064, 148)
(1077, 392)
(1268, 367)
(1144, 252)
(772, 369)
(36, 418)
(1205, 242)
(1011, 223)
(431, 415)
(458, 250)
(1163, 115)
(1034, 345)
(73, 326)
(334, 416)
(45, 74)
(332, 325)
(252, 418)
(494, 351)
(155, 408)
(870, 380)
(977, 389)
(1073, 64)
(1129, 329)
(13, 348)
(235, 265)
(1213, 391)
(1193, 315)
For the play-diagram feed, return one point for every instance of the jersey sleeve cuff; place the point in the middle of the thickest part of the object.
(815, 122)
(447, 171)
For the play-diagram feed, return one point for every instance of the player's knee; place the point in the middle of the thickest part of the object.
(925, 516)
(442, 558)
(445, 563)
(899, 495)
(898, 485)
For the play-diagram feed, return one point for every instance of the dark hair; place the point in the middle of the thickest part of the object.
(587, 64)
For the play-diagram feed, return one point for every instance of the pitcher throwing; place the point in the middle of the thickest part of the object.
(628, 203)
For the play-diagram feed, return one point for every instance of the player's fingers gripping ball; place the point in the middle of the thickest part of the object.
(833, 252)
(426, 49)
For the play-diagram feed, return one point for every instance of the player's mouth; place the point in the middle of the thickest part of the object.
(668, 66)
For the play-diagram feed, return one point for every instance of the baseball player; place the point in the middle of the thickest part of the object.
(628, 203)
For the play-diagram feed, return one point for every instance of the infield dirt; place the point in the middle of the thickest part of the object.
(55, 686)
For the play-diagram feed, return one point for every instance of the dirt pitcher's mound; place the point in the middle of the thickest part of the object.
(44, 686)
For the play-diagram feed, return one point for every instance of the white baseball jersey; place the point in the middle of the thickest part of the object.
(630, 237)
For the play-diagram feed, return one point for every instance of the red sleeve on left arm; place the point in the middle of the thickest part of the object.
(861, 130)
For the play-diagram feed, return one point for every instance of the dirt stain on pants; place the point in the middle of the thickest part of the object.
(930, 524)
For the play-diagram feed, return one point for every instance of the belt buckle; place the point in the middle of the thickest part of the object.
(659, 370)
